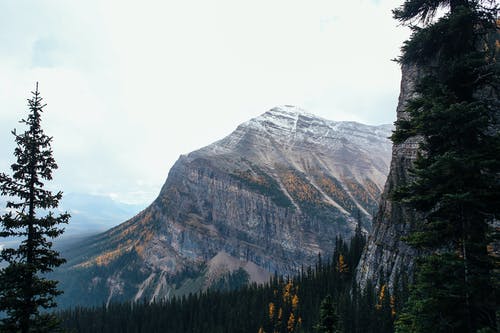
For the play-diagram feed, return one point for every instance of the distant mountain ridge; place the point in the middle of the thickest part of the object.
(90, 214)
(95, 213)
(268, 197)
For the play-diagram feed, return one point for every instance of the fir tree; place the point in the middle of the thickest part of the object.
(253, 308)
(328, 317)
(24, 290)
(455, 183)
(357, 243)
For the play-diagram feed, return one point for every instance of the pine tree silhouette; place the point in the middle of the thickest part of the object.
(24, 290)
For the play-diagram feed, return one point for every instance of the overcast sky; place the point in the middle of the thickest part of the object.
(131, 85)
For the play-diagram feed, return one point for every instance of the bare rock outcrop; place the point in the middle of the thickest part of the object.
(267, 198)
(386, 254)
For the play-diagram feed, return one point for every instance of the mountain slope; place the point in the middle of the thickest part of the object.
(386, 255)
(90, 214)
(268, 197)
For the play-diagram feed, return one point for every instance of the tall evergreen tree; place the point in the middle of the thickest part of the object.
(357, 244)
(328, 318)
(455, 185)
(24, 290)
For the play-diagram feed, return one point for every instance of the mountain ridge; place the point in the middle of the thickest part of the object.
(271, 195)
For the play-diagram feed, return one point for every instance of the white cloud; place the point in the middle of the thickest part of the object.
(132, 85)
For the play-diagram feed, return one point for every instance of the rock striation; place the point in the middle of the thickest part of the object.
(386, 255)
(267, 198)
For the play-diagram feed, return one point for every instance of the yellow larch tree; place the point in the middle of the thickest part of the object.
(291, 323)
(381, 297)
(271, 310)
(342, 266)
(295, 302)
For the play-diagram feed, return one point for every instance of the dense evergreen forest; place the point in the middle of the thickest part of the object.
(323, 298)
(455, 187)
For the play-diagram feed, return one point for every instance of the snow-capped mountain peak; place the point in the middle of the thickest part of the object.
(268, 197)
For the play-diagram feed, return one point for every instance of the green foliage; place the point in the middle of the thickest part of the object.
(455, 183)
(74, 280)
(421, 10)
(231, 281)
(437, 302)
(247, 309)
(328, 317)
(24, 289)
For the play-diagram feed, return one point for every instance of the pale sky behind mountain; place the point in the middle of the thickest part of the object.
(131, 85)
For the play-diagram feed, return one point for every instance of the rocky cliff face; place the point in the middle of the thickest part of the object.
(268, 197)
(386, 254)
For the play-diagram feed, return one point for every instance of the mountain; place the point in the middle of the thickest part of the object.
(90, 214)
(386, 255)
(267, 198)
